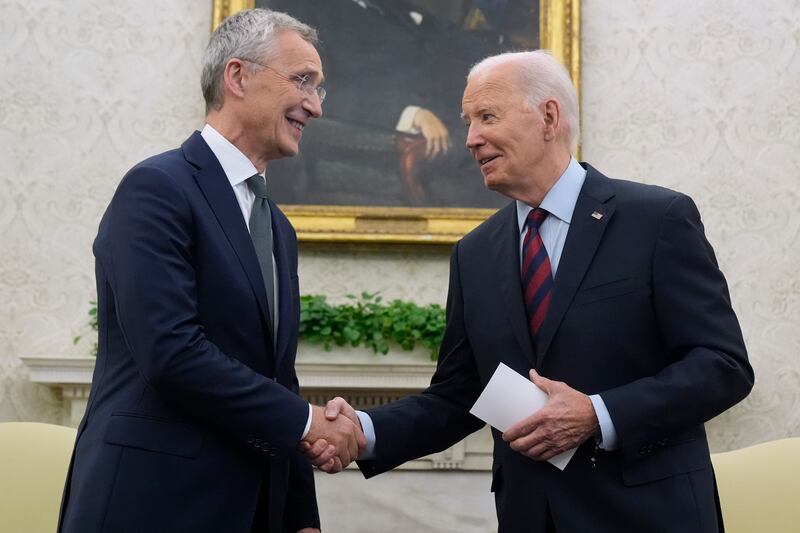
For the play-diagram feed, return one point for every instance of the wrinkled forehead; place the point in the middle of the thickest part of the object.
(493, 87)
(295, 55)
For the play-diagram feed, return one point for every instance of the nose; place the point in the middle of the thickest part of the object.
(313, 105)
(474, 137)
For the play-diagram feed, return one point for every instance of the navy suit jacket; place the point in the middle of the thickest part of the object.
(640, 314)
(191, 408)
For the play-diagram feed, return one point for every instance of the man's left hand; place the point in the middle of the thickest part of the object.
(566, 421)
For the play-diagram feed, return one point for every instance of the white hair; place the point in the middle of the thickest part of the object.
(542, 77)
(249, 35)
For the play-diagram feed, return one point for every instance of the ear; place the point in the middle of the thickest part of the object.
(234, 76)
(551, 112)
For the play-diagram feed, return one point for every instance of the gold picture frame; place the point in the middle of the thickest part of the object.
(559, 30)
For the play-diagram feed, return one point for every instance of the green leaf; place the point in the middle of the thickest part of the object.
(368, 321)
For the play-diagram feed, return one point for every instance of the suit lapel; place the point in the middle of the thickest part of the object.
(585, 232)
(505, 248)
(218, 193)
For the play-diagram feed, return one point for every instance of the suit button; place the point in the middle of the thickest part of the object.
(272, 452)
(250, 439)
(643, 450)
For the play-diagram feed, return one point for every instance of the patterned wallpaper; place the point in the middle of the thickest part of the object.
(87, 89)
(703, 98)
(683, 94)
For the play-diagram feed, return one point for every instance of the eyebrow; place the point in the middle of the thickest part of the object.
(478, 112)
(313, 74)
(309, 73)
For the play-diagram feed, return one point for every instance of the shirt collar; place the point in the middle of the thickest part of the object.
(234, 163)
(560, 200)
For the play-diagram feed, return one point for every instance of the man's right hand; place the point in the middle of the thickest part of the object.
(437, 138)
(323, 453)
(332, 442)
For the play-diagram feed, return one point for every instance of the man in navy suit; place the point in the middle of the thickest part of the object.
(607, 295)
(194, 415)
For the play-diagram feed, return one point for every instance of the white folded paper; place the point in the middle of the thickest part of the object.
(509, 398)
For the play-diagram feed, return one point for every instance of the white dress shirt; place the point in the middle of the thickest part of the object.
(560, 202)
(238, 169)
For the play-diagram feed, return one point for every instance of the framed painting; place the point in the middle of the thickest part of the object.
(387, 162)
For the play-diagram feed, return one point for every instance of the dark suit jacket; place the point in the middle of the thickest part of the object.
(378, 60)
(191, 408)
(640, 314)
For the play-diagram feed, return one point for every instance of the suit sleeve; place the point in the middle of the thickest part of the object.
(708, 369)
(152, 237)
(439, 416)
(301, 497)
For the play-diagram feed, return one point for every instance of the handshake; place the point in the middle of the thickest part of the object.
(335, 438)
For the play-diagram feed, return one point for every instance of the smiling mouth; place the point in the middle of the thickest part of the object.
(486, 160)
(296, 124)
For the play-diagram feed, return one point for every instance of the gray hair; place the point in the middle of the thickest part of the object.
(542, 76)
(250, 35)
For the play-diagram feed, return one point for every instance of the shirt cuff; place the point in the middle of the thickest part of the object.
(369, 433)
(608, 433)
(308, 423)
(406, 121)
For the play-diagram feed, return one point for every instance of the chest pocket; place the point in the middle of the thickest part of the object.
(610, 289)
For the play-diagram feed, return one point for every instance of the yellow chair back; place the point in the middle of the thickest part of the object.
(759, 487)
(33, 466)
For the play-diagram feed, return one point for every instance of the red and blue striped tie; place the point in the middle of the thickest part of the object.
(537, 278)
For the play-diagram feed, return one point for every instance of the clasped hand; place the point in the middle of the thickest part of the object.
(566, 421)
(333, 441)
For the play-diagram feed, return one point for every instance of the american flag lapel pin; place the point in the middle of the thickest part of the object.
(597, 215)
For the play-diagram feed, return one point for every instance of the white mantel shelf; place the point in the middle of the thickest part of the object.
(380, 374)
(362, 377)
(51, 370)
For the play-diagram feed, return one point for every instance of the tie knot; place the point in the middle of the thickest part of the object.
(257, 185)
(536, 217)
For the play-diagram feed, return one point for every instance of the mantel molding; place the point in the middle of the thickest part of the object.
(56, 370)
(361, 377)
(381, 374)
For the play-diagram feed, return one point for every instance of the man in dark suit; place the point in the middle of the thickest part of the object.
(608, 295)
(194, 415)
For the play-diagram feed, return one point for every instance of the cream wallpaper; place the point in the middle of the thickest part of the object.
(696, 96)
(702, 97)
